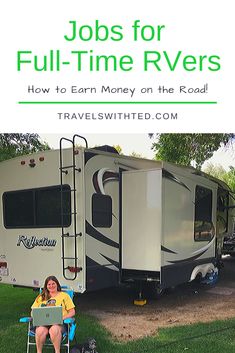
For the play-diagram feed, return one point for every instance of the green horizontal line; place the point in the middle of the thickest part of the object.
(117, 102)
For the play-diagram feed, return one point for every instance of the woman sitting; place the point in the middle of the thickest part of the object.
(53, 296)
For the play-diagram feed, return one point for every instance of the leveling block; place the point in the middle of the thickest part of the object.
(140, 302)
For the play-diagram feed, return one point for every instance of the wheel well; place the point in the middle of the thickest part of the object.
(202, 270)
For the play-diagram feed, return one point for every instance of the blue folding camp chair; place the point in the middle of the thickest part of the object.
(67, 337)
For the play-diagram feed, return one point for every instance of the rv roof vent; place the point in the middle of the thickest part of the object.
(106, 148)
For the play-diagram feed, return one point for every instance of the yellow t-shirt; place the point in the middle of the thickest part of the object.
(61, 299)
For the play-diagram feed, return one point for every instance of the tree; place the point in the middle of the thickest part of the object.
(187, 148)
(133, 154)
(136, 155)
(12, 145)
(215, 170)
(230, 178)
(220, 173)
(118, 148)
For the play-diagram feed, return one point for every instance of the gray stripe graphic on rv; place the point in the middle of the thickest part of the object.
(102, 177)
(171, 177)
(99, 236)
(167, 250)
(188, 259)
(114, 263)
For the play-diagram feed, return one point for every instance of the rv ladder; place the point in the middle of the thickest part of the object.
(69, 262)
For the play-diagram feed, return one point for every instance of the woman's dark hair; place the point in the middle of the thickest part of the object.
(45, 292)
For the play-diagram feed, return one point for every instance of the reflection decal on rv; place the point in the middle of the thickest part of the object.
(99, 236)
(103, 176)
(171, 177)
(114, 263)
(30, 243)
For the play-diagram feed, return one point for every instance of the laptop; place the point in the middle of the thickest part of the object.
(47, 315)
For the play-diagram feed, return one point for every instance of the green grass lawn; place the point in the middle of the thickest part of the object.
(216, 337)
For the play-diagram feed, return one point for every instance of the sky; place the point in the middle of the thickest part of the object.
(138, 143)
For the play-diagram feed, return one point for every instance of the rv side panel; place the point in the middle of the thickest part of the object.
(141, 222)
(183, 247)
(30, 228)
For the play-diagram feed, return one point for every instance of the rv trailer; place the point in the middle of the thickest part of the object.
(96, 219)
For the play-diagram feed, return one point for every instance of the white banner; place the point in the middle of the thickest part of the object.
(112, 67)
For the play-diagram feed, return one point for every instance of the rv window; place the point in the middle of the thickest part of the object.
(37, 208)
(48, 206)
(203, 226)
(18, 210)
(101, 210)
